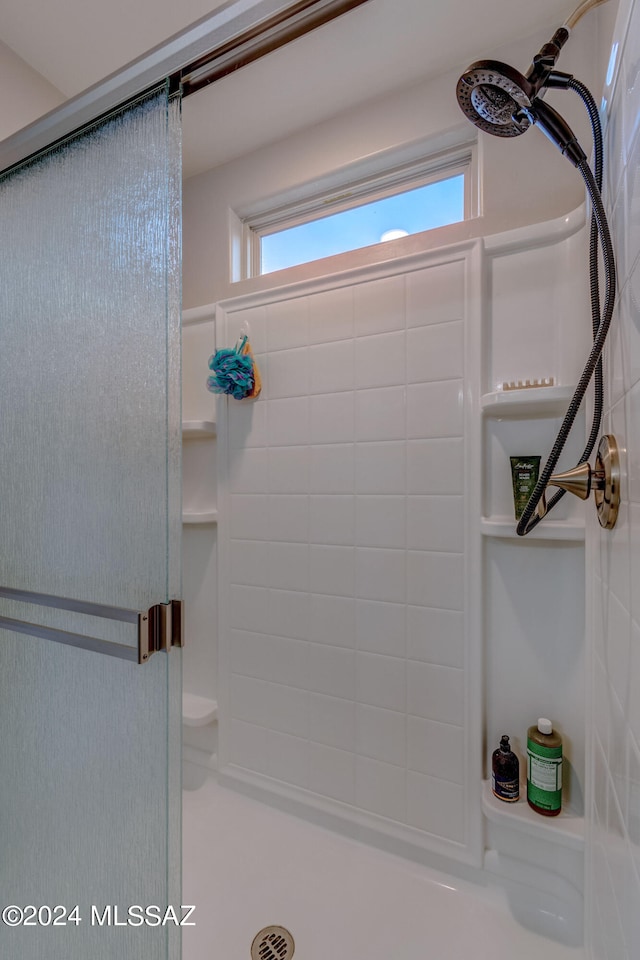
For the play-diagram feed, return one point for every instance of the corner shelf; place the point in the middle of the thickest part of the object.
(203, 517)
(566, 829)
(198, 711)
(572, 530)
(198, 429)
(529, 402)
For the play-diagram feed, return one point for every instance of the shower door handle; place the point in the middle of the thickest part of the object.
(159, 628)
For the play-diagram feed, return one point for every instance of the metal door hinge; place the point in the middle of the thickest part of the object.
(160, 628)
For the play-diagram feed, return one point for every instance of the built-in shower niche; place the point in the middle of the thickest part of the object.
(509, 436)
(538, 323)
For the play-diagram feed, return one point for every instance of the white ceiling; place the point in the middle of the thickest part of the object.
(379, 46)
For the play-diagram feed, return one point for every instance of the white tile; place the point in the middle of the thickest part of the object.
(331, 367)
(381, 681)
(288, 566)
(618, 640)
(381, 788)
(436, 693)
(380, 627)
(288, 470)
(273, 705)
(247, 608)
(380, 413)
(380, 574)
(331, 772)
(436, 806)
(435, 294)
(247, 745)
(436, 636)
(435, 466)
(247, 424)
(288, 373)
(288, 421)
(248, 471)
(332, 468)
(248, 517)
(436, 749)
(288, 614)
(288, 758)
(332, 620)
(381, 734)
(249, 562)
(380, 521)
(435, 410)
(435, 352)
(435, 579)
(331, 570)
(435, 523)
(632, 443)
(288, 517)
(332, 519)
(249, 699)
(331, 315)
(629, 79)
(253, 320)
(380, 360)
(332, 418)
(633, 710)
(379, 306)
(286, 324)
(332, 671)
(332, 721)
(278, 659)
(380, 467)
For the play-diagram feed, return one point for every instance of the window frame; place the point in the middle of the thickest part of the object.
(346, 193)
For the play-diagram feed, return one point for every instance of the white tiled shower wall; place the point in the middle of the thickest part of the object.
(613, 885)
(344, 671)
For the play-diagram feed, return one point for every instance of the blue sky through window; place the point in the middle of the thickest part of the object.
(421, 208)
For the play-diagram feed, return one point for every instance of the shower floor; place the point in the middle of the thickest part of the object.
(247, 866)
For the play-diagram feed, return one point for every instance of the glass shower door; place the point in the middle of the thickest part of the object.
(90, 522)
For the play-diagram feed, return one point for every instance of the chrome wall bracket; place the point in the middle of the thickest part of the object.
(160, 628)
(603, 480)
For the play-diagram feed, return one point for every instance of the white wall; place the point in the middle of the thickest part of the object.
(26, 95)
(522, 181)
(614, 861)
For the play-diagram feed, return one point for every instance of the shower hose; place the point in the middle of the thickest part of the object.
(601, 320)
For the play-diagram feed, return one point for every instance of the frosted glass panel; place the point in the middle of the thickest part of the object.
(88, 298)
(90, 465)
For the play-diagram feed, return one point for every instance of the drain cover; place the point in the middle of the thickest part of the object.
(272, 943)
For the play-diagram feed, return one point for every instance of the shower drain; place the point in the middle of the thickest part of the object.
(272, 943)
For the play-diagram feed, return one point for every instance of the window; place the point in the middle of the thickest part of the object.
(398, 202)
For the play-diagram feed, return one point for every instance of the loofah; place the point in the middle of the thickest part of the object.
(234, 372)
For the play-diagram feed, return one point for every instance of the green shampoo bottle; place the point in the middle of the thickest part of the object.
(544, 769)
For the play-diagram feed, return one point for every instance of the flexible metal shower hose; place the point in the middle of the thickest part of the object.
(600, 321)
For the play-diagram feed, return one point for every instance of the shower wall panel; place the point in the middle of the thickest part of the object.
(346, 641)
(613, 879)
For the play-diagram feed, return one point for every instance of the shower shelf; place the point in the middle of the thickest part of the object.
(198, 711)
(547, 530)
(201, 517)
(532, 402)
(198, 429)
(566, 829)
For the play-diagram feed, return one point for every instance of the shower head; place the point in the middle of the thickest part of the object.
(501, 101)
(497, 98)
